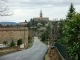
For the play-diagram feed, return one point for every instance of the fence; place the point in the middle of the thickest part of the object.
(63, 50)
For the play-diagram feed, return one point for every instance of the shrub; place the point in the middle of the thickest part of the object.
(5, 42)
(12, 43)
(19, 42)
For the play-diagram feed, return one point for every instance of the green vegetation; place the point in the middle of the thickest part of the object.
(19, 42)
(29, 36)
(71, 13)
(12, 44)
(5, 42)
(67, 34)
(30, 44)
(71, 33)
(45, 35)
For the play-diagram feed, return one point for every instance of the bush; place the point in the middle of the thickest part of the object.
(5, 42)
(12, 43)
(19, 42)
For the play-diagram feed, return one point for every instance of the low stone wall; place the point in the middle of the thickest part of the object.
(9, 34)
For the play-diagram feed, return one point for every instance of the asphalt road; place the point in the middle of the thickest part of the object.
(36, 52)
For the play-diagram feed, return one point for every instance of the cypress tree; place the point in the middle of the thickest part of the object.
(71, 12)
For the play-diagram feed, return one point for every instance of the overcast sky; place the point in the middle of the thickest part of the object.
(26, 9)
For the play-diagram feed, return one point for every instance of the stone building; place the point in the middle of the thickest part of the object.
(14, 33)
(41, 18)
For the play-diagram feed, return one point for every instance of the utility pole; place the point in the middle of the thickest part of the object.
(24, 37)
(51, 30)
(54, 31)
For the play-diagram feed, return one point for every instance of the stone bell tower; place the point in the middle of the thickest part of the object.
(41, 14)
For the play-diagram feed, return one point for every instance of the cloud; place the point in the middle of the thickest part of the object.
(27, 9)
(50, 2)
(33, 4)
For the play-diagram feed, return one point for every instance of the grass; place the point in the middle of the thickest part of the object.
(30, 44)
(46, 57)
(9, 51)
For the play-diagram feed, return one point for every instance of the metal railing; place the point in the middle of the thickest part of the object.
(63, 50)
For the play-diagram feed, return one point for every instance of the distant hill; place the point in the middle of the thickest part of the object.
(9, 23)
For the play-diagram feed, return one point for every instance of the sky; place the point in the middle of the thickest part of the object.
(26, 9)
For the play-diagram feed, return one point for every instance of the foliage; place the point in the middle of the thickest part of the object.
(42, 36)
(74, 50)
(45, 35)
(62, 40)
(5, 42)
(71, 31)
(19, 42)
(74, 36)
(12, 43)
(71, 12)
(29, 36)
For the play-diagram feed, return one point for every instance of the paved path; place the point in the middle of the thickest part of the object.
(36, 52)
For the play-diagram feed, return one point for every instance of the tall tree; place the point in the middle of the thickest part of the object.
(73, 36)
(71, 12)
(71, 30)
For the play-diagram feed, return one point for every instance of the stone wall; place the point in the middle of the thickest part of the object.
(9, 34)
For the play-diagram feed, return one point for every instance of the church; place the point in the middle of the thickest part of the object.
(41, 18)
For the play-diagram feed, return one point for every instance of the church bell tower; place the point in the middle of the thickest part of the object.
(40, 13)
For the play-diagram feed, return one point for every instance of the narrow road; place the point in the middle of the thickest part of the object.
(36, 52)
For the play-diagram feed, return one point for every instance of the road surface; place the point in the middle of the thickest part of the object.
(36, 52)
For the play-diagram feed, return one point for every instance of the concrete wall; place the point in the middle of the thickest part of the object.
(9, 34)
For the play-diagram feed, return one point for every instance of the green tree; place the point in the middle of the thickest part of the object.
(12, 43)
(42, 36)
(5, 42)
(68, 23)
(72, 35)
(45, 35)
(71, 12)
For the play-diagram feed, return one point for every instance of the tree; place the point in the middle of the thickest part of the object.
(71, 33)
(42, 36)
(12, 43)
(4, 10)
(45, 35)
(71, 12)
(5, 42)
